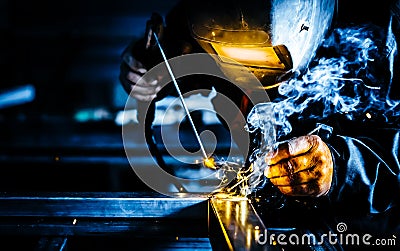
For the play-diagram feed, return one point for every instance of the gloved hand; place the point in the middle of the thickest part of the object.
(131, 73)
(302, 166)
(131, 70)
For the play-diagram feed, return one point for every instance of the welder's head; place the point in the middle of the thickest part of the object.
(272, 38)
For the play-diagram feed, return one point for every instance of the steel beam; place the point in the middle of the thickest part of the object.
(100, 205)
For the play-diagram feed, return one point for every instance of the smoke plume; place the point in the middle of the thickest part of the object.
(350, 75)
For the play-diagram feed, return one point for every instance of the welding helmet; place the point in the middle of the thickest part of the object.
(272, 38)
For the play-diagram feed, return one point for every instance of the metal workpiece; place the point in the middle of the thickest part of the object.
(100, 205)
(103, 221)
(116, 221)
(235, 225)
(111, 214)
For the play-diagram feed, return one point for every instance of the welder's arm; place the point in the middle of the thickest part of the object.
(301, 166)
(367, 170)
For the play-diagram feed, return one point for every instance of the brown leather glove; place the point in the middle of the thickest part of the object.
(302, 166)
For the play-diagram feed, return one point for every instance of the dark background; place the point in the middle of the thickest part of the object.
(69, 50)
(69, 138)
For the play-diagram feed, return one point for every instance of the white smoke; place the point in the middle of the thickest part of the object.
(346, 83)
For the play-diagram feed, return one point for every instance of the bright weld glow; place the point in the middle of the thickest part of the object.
(244, 211)
(210, 163)
(248, 238)
(255, 56)
(368, 115)
(244, 54)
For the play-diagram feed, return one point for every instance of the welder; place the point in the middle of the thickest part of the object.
(354, 164)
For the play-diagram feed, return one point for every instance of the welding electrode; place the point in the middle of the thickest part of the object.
(207, 161)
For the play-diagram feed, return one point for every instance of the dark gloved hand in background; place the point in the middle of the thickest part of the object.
(132, 69)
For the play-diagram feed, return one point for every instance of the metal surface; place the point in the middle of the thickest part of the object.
(52, 244)
(103, 205)
(78, 221)
(103, 221)
(236, 225)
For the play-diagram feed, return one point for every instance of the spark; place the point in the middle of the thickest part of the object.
(241, 181)
(210, 163)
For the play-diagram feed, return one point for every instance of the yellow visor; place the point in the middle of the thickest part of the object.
(250, 56)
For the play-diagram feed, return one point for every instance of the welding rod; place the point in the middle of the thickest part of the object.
(181, 97)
